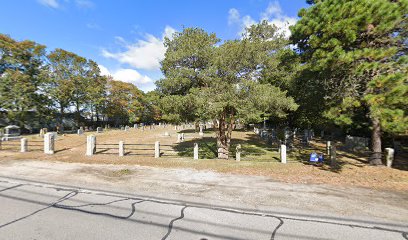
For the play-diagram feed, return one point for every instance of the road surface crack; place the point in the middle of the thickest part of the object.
(172, 221)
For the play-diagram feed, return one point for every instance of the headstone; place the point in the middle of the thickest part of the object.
(122, 128)
(127, 128)
(389, 157)
(333, 155)
(42, 133)
(166, 134)
(121, 149)
(80, 131)
(135, 126)
(178, 137)
(328, 145)
(90, 145)
(90, 128)
(356, 143)
(238, 153)
(283, 153)
(24, 145)
(195, 151)
(99, 129)
(157, 149)
(201, 131)
(182, 137)
(49, 143)
(143, 127)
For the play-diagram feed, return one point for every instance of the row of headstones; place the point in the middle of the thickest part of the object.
(49, 146)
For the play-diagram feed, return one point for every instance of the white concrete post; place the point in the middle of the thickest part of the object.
(121, 149)
(90, 145)
(195, 151)
(333, 155)
(390, 156)
(24, 145)
(157, 149)
(283, 153)
(238, 153)
(49, 143)
(328, 145)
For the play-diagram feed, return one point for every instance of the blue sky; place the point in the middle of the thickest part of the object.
(125, 36)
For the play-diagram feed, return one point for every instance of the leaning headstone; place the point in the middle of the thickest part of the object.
(99, 129)
(49, 143)
(24, 145)
(195, 151)
(389, 157)
(283, 153)
(90, 145)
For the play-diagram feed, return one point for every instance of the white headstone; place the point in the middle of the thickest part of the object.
(90, 145)
(24, 145)
(157, 149)
(49, 143)
(80, 131)
(283, 153)
(121, 149)
(390, 156)
(195, 151)
(99, 129)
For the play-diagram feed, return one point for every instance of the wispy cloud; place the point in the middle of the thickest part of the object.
(143, 54)
(84, 4)
(273, 14)
(49, 3)
(93, 26)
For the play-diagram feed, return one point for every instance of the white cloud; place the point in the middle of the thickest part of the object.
(273, 14)
(49, 3)
(126, 75)
(144, 53)
(233, 16)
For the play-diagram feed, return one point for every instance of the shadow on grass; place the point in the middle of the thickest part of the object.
(253, 149)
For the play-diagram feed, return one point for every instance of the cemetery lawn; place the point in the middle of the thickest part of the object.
(258, 157)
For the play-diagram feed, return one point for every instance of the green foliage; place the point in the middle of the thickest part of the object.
(205, 81)
(354, 57)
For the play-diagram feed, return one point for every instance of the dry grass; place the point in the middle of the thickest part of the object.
(259, 158)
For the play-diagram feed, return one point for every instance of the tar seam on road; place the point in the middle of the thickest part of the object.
(276, 229)
(172, 221)
(19, 185)
(99, 213)
(221, 209)
(67, 196)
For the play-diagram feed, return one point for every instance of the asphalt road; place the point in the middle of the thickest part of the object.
(37, 210)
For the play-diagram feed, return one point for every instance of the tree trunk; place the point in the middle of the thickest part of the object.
(62, 114)
(78, 115)
(375, 158)
(222, 138)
